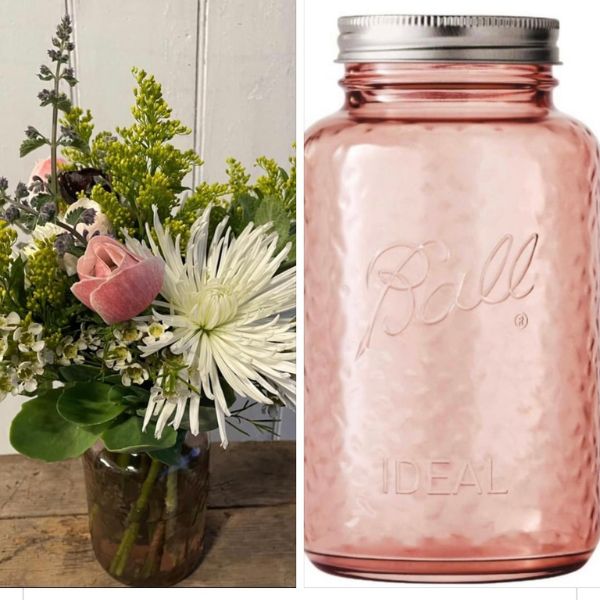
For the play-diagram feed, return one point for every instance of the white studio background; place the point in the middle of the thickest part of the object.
(457, 593)
(578, 95)
(227, 69)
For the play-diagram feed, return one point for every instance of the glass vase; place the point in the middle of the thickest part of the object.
(147, 518)
(451, 285)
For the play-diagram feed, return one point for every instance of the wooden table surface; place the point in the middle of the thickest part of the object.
(251, 523)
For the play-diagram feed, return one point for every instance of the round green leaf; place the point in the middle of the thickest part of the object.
(79, 373)
(90, 403)
(128, 436)
(38, 431)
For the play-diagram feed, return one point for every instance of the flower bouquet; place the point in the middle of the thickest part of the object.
(138, 314)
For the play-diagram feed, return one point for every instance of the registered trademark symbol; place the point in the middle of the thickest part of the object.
(521, 321)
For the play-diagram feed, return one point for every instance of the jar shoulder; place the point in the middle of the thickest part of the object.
(554, 132)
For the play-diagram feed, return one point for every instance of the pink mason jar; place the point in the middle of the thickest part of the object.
(451, 253)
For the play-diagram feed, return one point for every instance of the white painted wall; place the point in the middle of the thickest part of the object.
(227, 69)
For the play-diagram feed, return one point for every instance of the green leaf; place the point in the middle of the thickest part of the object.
(73, 217)
(291, 257)
(63, 103)
(79, 373)
(127, 436)
(90, 403)
(271, 211)
(38, 431)
(114, 379)
(242, 210)
(30, 145)
(228, 392)
(170, 456)
(99, 429)
(17, 280)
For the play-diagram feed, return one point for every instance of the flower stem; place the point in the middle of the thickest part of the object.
(165, 528)
(138, 511)
(60, 224)
(171, 499)
(155, 551)
(54, 133)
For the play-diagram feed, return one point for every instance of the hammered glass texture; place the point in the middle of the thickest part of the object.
(475, 437)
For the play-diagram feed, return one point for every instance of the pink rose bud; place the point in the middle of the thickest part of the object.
(43, 169)
(115, 283)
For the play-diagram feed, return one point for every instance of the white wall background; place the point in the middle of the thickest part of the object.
(227, 69)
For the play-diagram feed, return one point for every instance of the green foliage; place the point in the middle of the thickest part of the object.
(29, 145)
(272, 198)
(238, 177)
(141, 171)
(206, 194)
(271, 211)
(279, 184)
(77, 128)
(79, 373)
(38, 431)
(127, 436)
(145, 168)
(8, 237)
(119, 215)
(170, 456)
(47, 302)
(90, 403)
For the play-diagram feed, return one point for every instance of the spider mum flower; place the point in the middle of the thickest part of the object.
(224, 305)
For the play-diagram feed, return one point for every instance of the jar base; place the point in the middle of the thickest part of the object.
(449, 571)
(159, 580)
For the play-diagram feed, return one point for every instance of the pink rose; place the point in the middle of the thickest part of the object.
(43, 169)
(114, 282)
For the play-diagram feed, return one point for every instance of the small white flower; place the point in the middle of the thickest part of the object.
(46, 356)
(89, 335)
(156, 333)
(134, 373)
(9, 322)
(26, 375)
(117, 356)
(128, 333)
(8, 381)
(3, 346)
(68, 351)
(29, 339)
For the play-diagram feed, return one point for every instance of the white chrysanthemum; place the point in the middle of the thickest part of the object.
(224, 306)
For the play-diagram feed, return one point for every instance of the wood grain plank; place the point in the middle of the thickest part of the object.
(56, 551)
(246, 474)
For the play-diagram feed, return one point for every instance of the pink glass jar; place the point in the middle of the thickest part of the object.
(451, 280)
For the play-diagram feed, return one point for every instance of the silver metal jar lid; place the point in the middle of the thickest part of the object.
(450, 38)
